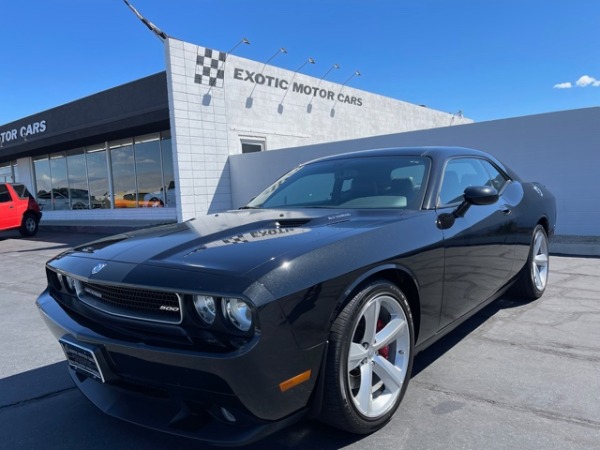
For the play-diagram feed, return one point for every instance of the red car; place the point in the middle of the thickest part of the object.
(18, 209)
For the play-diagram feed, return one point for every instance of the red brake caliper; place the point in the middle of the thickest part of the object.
(385, 351)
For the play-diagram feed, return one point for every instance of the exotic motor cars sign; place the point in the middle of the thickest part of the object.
(301, 88)
(19, 133)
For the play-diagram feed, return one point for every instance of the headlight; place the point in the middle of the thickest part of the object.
(206, 308)
(68, 282)
(237, 312)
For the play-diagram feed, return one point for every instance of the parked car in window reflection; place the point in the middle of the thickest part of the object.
(52, 201)
(157, 199)
(58, 199)
(129, 200)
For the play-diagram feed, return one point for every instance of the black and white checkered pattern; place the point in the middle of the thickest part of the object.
(239, 239)
(209, 67)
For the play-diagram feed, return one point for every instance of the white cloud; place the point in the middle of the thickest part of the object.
(583, 81)
(566, 85)
(586, 80)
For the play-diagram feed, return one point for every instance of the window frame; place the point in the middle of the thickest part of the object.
(254, 141)
(507, 178)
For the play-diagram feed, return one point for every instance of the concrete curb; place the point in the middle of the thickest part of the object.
(575, 245)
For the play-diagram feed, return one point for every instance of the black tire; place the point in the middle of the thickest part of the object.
(533, 278)
(29, 225)
(342, 404)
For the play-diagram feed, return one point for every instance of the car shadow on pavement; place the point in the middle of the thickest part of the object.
(439, 348)
(42, 408)
(10, 234)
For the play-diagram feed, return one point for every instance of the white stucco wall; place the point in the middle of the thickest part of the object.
(287, 118)
(208, 121)
(561, 150)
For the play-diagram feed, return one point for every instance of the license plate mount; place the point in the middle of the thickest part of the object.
(83, 358)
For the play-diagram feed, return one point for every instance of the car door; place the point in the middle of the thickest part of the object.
(9, 217)
(478, 252)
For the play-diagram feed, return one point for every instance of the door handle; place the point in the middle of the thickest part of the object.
(506, 210)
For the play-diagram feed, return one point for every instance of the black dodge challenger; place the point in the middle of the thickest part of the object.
(310, 301)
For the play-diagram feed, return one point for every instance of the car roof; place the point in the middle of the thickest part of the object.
(435, 152)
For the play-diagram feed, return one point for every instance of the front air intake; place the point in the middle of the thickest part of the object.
(291, 223)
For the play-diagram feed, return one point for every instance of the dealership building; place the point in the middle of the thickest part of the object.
(158, 149)
(214, 129)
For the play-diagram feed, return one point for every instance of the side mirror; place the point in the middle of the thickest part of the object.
(481, 195)
(473, 195)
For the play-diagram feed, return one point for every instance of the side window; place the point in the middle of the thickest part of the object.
(497, 178)
(4, 194)
(21, 191)
(461, 173)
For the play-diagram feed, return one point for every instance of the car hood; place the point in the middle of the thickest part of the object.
(236, 241)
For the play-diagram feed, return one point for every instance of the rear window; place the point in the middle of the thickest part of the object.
(21, 191)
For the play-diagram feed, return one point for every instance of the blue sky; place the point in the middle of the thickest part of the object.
(490, 59)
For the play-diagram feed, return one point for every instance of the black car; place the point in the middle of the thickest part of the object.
(311, 301)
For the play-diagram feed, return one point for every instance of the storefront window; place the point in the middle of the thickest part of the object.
(97, 174)
(78, 187)
(148, 171)
(43, 182)
(130, 173)
(6, 174)
(168, 172)
(60, 183)
(123, 173)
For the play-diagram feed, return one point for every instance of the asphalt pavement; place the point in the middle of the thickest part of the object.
(515, 375)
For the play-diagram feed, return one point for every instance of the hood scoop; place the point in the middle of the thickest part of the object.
(291, 223)
(99, 245)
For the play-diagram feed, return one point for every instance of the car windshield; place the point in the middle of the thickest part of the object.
(362, 182)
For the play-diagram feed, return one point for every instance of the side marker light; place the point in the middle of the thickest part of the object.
(294, 381)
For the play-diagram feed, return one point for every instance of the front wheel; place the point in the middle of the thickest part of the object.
(533, 278)
(29, 225)
(369, 359)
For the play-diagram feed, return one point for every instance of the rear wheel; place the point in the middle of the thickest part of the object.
(533, 278)
(29, 225)
(369, 359)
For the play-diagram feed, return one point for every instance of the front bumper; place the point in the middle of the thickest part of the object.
(185, 392)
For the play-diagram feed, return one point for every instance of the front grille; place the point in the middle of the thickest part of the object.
(135, 303)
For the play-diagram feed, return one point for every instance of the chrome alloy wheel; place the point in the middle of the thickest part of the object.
(539, 262)
(378, 356)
